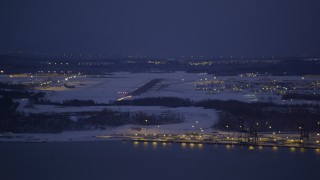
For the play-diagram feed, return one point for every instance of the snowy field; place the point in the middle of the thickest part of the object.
(196, 120)
(108, 88)
(105, 89)
(113, 87)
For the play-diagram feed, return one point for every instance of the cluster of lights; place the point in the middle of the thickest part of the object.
(58, 63)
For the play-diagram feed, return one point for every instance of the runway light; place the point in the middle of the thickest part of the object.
(154, 143)
(292, 149)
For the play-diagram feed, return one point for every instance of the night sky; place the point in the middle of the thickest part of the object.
(170, 27)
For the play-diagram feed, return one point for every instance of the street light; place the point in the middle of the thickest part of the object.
(146, 127)
(193, 130)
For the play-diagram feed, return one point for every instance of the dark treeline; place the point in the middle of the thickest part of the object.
(76, 102)
(157, 101)
(264, 116)
(13, 121)
(20, 63)
(114, 118)
(12, 86)
(32, 96)
(18, 122)
(7, 108)
(71, 102)
(313, 97)
(167, 117)
(15, 94)
(238, 107)
(39, 123)
(274, 122)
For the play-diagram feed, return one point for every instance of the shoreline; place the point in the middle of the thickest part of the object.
(171, 139)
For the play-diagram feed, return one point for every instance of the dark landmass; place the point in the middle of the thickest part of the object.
(289, 66)
(263, 116)
(312, 97)
(18, 122)
(260, 115)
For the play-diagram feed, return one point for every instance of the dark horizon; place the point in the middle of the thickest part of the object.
(168, 28)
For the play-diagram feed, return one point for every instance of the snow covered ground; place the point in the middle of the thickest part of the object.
(178, 84)
(103, 89)
(198, 120)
